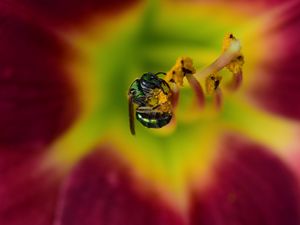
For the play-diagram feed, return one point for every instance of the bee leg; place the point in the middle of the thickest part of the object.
(195, 85)
(160, 73)
(131, 115)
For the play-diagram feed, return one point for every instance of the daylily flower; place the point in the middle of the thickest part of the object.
(66, 153)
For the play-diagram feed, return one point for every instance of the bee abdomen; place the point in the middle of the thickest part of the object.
(154, 119)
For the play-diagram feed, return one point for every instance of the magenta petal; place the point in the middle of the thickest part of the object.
(28, 193)
(250, 187)
(65, 12)
(281, 91)
(102, 191)
(37, 102)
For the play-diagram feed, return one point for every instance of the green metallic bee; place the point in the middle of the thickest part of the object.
(149, 97)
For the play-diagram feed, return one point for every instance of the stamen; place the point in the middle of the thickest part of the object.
(235, 67)
(231, 58)
(212, 84)
(183, 66)
(175, 96)
(231, 50)
(218, 99)
(195, 85)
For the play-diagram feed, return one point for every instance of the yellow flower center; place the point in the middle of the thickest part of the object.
(149, 37)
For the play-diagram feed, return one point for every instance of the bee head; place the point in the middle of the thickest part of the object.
(149, 77)
(150, 80)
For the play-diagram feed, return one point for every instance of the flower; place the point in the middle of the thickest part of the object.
(66, 152)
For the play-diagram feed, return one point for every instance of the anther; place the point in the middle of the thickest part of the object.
(184, 68)
(212, 84)
(235, 67)
(230, 51)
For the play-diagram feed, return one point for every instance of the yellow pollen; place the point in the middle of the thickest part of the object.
(236, 65)
(183, 66)
(227, 41)
(162, 98)
(212, 83)
(158, 97)
(166, 107)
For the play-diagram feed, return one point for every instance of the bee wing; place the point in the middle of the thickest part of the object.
(131, 115)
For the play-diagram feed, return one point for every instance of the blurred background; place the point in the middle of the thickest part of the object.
(65, 73)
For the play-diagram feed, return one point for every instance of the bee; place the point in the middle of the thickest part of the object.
(150, 98)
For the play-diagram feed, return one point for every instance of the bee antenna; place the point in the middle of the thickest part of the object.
(160, 73)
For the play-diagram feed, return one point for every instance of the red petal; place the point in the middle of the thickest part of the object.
(64, 12)
(281, 93)
(37, 102)
(28, 193)
(101, 191)
(250, 187)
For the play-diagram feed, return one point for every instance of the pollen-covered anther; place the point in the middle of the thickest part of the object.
(231, 51)
(183, 66)
(236, 64)
(212, 84)
(235, 67)
(227, 41)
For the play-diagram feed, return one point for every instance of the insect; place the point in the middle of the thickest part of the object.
(152, 100)
(149, 97)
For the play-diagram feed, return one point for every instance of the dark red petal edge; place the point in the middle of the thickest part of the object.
(28, 193)
(250, 187)
(102, 191)
(281, 93)
(64, 12)
(37, 100)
